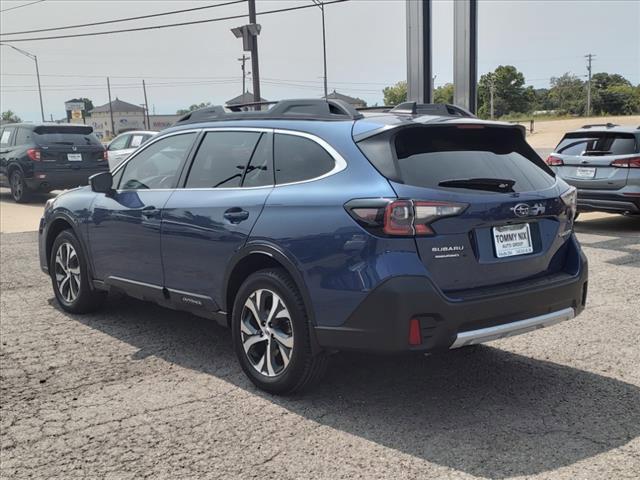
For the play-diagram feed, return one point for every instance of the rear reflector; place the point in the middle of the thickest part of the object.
(415, 336)
(554, 161)
(633, 162)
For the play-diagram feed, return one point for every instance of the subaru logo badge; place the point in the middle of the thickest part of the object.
(521, 209)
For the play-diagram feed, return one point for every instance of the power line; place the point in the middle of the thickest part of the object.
(20, 6)
(127, 19)
(170, 25)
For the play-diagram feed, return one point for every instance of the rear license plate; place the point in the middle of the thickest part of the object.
(74, 157)
(512, 240)
(586, 172)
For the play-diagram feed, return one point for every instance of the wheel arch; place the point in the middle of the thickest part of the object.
(57, 225)
(259, 256)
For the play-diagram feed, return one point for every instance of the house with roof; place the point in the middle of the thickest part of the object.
(246, 97)
(126, 116)
(355, 102)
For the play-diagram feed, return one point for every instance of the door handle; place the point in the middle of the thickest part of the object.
(236, 215)
(150, 212)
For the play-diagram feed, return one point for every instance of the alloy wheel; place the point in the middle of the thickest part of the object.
(16, 186)
(267, 332)
(67, 272)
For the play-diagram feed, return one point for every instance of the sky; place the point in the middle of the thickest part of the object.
(366, 49)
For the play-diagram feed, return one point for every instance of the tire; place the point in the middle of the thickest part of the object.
(264, 361)
(70, 276)
(19, 190)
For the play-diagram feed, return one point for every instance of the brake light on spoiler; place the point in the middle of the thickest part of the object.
(392, 217)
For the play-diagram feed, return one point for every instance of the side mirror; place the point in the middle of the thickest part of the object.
(101, 182)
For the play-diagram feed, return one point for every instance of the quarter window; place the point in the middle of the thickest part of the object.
(119, 143)
(157, 166)
(23, 136)
(222, 159)
(297, 158)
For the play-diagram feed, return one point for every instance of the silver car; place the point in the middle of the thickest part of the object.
(603, 162)
(125, 144)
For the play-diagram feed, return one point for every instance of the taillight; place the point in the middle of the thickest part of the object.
(633, 162)
(34, 154)
(105, 155)
(570, 199)
(554, 161)
(401, 217)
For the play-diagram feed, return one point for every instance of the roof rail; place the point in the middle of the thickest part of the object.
(302, 109)
(608, 125)
(414, 108)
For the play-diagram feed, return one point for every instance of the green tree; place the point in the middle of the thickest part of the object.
(10, 117)
(195, 106)
(567, 93)
(443, 94)
(613, 94)
(510, 95)
(395, 94)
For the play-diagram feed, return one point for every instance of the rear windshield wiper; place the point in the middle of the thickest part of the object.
(487, 184)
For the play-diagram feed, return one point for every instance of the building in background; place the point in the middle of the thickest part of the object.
(246, 97)
(356, 102)
(126, 117)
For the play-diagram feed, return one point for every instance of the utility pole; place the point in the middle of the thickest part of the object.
(146, 105)
(113, 128)
(320, 5)
(492, 92)
(35, 59)
(255, 68)
(589, 57)
(244, 72)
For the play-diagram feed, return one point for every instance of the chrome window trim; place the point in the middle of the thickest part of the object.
(340, 163)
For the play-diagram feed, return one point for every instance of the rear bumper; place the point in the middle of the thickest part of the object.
(381, 321)
(607, 201)
(47, 180)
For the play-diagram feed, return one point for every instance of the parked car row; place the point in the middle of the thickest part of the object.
(44, 157)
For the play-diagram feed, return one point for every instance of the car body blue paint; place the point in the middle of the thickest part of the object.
(190, 246)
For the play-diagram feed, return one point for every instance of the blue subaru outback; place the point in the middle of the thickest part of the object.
(310, 228)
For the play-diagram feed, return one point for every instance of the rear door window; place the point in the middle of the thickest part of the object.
(120, 143)
(222, 159)
(298, 158)
(597, 143)
(432, 156)
(136, 140)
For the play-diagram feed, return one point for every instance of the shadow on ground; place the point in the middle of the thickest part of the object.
(487, 412)
(37, 198)
(622, 235)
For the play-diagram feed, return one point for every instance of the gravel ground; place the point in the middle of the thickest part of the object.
(136, 391)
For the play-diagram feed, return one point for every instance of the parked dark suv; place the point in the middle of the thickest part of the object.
(48, 157)
(310, 228)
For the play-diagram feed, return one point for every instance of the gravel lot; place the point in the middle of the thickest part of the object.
(137, 391)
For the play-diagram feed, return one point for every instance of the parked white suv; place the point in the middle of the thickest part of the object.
(125, 144)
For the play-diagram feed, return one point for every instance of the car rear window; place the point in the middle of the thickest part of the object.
(597, 143)
(429, 156)
(52, 135)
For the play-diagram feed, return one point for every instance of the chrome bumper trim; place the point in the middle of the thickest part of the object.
(482, 335)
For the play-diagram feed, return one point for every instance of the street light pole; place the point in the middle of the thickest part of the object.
(320, 5)
(35, 59)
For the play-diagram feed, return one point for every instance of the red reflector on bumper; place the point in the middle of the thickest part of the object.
(415, 336)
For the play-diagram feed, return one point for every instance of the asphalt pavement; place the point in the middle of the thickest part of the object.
(136, 391)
